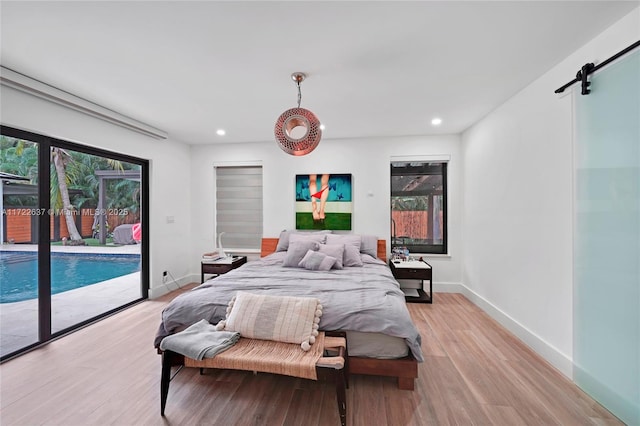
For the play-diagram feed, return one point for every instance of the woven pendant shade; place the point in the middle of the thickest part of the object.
(291, 119)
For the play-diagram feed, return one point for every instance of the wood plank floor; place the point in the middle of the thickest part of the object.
(475, 373)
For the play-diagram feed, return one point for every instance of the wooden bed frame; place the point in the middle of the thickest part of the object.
(404, 369)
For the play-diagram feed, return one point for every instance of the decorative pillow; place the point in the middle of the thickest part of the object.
(316, 261)
(296, 252)
(283, 241)
(336, 251)
(318, 238)
(280, 318)
(369, 245)
(275, 257)
(372, 260)
(353, 240)
(351, 256)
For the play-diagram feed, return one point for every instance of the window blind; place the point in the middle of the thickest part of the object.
(239, 206)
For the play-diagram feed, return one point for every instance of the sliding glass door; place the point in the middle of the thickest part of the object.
(607, 239)
(19, 236)
(95, 235)
(74, 242)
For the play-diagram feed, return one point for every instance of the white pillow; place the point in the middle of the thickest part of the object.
(280, 318)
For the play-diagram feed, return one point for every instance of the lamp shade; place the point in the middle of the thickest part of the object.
(294, 118)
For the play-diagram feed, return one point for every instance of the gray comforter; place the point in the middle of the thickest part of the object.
(366, 299)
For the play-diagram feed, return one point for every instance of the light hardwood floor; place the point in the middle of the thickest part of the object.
(475, 372)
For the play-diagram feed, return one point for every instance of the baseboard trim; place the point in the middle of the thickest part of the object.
(547, 351)
(552, 355)
(447, 287)
(164, 288)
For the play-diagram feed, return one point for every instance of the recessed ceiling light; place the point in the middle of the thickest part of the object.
(221, 132)
(322, 127)
(436, 121)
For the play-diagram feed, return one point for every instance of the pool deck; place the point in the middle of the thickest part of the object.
(19, 320)
(109, 249)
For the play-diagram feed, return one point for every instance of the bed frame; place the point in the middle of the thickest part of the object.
(404, 369)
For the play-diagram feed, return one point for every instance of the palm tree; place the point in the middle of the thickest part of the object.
(60, 159)
(69, 170)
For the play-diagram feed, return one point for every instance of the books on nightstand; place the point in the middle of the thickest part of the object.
(215, 257)
(211, 256)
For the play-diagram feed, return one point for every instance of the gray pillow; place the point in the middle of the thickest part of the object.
(336, 251)
(283, 241)
(316, 261)
(369, 245)
(372, 260)
(353, 240)
(351, 256)
(296, 252)
(318, 238)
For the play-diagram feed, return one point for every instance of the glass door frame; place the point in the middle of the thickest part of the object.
(45, 143)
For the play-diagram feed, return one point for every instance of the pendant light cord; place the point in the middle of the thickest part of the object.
(299, 94)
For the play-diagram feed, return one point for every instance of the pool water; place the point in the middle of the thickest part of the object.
(19, 272)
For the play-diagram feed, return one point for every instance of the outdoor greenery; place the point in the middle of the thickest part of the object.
(73, 182)
(19, 158)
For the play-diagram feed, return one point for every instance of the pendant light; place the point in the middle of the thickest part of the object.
(302, 121)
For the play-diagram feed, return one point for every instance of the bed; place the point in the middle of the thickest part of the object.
(364, 301)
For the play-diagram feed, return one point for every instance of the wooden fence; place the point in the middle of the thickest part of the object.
(21, 224)
(412, 224)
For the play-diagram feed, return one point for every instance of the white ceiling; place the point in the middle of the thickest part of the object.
(374, 68)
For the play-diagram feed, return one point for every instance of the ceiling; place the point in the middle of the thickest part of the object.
(374, 68)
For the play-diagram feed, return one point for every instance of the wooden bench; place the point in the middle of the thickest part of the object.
(328, 353)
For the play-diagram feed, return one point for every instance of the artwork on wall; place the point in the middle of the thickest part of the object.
(323, 201)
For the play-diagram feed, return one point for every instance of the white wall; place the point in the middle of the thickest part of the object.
(368, 160)
(518, 221)
(169, 171)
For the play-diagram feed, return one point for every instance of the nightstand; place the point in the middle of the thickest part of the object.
(415, 270)
(220, 267)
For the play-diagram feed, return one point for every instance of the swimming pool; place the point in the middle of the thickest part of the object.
(19, 272)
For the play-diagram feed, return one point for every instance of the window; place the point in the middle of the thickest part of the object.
(239, 206)
(419, 206)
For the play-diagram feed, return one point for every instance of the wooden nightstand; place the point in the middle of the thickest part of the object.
(220, 267)
(415, 270)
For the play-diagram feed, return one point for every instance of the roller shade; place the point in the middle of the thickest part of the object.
(239, 206)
